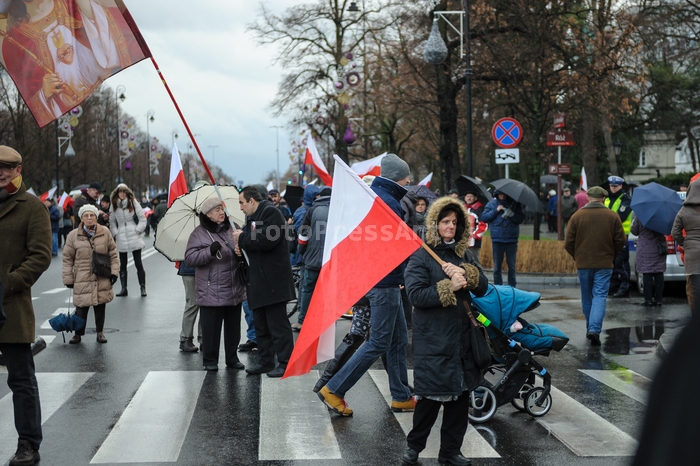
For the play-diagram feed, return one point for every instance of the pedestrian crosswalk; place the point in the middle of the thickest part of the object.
(294, 425)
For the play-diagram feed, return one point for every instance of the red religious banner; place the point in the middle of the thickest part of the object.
(58, 52)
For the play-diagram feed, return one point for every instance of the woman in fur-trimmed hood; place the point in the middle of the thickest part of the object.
(444, 369)
(127, 222)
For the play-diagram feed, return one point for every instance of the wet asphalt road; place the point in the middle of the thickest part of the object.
(139, 400)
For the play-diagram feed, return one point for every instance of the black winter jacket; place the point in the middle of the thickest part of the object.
(442, 359)
(263, 239)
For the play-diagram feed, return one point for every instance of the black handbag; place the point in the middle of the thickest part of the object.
(661, 246)
(479, 338)
(101, 264)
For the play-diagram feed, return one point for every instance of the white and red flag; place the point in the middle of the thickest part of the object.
(360, 225)
(65, 200)
(372, 166)
(48, 194)
(312, 157)
(584, 181)
(426, 181)
(178, 184)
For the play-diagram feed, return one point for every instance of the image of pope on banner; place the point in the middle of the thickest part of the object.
(58, 52)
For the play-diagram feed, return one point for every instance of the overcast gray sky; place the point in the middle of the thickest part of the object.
(222, 81)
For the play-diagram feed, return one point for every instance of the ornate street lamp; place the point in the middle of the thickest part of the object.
(119, 97)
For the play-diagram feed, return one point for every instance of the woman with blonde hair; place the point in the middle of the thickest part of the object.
(89, 289)
(127, 222)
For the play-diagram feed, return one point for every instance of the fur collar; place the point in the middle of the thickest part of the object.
(212, 226)
(431, 235)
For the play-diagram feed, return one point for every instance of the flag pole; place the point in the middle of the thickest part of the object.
(194, 141)
(432, 253)
(184, 122)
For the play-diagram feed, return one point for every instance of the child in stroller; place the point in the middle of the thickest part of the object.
(514, 342)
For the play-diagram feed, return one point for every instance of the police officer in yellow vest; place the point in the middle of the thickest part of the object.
(619, 201)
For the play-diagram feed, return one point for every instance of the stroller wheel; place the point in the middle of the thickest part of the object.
(531, 402)
(518, 400)
(482, 405)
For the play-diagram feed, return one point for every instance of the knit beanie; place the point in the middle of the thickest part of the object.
(209, 204)
(394, 168)
(88, 208)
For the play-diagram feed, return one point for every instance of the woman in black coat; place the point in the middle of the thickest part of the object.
(444, 369)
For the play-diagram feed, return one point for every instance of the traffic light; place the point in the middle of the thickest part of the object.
(289, 181)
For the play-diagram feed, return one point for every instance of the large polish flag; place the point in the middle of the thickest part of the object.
(372, 166)
(48, 194)
(426, 181)
(65, 200)
(360, 225)
(584, 181)
(312, 157)
(177, 185)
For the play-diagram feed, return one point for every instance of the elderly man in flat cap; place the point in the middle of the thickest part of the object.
(90, 196)
(594, 238)
(24, 222)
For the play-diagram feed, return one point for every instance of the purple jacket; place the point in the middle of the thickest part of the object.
(215, 280)
(648, 258)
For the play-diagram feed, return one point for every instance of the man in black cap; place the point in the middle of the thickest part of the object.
(619, 202)
(88, 196)
(453, 193)
(25, 224)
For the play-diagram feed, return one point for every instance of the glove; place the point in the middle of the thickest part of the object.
(113, 279)
(69, 286)
(507, 213)
(214, 248)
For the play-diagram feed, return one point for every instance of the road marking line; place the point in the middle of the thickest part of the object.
(46, 326)
(48, 339)
(145, 255)
(584, 432)
(304, 432)
(155, 423)
(61, 310)
(55, 388)
(55, 290)
(474, 445)
(625, 381)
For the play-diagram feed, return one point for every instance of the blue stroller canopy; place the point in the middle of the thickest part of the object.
(503, 304)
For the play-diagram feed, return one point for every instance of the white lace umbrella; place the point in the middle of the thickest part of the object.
(174, 229)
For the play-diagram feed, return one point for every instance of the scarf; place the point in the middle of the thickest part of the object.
(11, 188)
(90, 231)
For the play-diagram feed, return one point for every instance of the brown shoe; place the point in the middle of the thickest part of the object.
(101, 338)
(75, 340)
(334, 402)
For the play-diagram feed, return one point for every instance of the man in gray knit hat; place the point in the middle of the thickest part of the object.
(389, 332)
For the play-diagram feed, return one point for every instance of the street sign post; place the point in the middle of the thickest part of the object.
(560, 169)
(560, 120)
(507, 156)
(507, 133)
(560, 138)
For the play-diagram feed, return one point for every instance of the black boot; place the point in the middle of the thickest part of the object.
(346, 349)
(122, 280)
(142, 281)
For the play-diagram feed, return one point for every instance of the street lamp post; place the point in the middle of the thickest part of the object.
(465, 52)
(173, 136)
(64, 125)
(277, 137)
(119, 97)
(149, 120)
(213, 157)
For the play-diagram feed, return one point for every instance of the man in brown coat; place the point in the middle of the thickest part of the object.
(25, 224)
(594, 238)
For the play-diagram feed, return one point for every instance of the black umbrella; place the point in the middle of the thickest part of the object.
(423, 191)
(467, 184)
(520, 192)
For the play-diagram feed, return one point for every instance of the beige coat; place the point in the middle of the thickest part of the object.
(88, 288)
(25, 230)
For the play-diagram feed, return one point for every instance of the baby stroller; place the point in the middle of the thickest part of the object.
(513, 350)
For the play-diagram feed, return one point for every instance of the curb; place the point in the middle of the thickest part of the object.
(535, 279)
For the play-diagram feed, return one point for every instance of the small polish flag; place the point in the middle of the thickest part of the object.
(313, 158)
(426, 181)
(372, 166)
(360, 225)
(584, 181)
(63, 201)
(48, 194)
(178, 185)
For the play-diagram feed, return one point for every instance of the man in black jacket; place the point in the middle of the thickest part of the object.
(270, 282)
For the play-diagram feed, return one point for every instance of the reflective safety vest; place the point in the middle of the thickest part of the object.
(626, 224)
